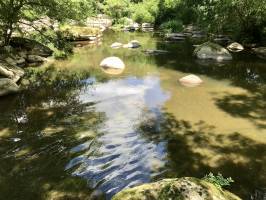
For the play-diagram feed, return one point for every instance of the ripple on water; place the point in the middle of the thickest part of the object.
(122, 156)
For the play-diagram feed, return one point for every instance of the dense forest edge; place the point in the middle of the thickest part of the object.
(244, 21)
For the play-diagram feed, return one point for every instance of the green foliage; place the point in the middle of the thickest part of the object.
(219, 181)
(244, 20)
(141, 15)
(172, 26)
(145, 11)
(14, 12)
(116, 8)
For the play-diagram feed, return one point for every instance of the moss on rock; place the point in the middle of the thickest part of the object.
(176, 189)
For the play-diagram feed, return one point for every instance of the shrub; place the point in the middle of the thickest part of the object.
(172, 26)
(219, 181)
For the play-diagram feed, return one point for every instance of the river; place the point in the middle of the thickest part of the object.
(78, 131)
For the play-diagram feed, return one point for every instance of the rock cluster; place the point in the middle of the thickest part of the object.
(20, 53)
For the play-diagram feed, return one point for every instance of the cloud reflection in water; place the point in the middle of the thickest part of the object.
(124, 157)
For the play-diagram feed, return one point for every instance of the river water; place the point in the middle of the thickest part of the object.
(78, 131)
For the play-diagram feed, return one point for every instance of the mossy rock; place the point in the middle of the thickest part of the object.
(176, 189)
(213, 51)
(7, 86)
(31, 46)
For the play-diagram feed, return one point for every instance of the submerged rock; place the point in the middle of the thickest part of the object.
(7, 86)
(190, 80)
(180, 189)
(10, 71)
(175, 36)
(212, 51)
(155, 52)
(235, 47)
(132, 44)
(260, 52)
(112, 65)
(116, 45)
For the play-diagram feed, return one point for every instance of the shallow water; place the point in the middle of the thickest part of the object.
(78, 130)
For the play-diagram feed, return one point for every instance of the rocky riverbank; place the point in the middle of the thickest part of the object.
(23, 52)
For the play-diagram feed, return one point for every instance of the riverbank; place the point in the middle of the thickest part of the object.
(26, 50)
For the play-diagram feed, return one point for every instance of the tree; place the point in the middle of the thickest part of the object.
(13, 12)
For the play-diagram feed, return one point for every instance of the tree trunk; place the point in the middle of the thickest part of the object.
(8, 33)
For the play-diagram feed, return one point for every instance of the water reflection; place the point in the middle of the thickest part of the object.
(121, 157)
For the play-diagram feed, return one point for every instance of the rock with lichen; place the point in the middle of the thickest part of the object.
(212, 51)
(176, 189)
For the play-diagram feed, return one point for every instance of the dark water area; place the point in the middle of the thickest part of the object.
(77, 130)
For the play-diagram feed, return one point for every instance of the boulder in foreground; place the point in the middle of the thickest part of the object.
(176, 189)
(212, 51)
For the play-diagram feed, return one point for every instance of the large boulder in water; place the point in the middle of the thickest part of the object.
(190, 80)
(31, 46)
(113, 62)
(212, 51)
(235, 47)
(112, 65)
(183, 188)
(10, 71)
(7, 86)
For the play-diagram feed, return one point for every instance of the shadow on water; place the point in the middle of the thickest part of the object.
(250, 106)
(196, 149)
(70, 135)
(245, 71)
(38, 128)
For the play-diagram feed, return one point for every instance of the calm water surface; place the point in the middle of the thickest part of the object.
(78, 131)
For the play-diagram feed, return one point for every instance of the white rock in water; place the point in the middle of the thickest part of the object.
(235, 47)
(116, 45)
(112, 62)
(191, 80)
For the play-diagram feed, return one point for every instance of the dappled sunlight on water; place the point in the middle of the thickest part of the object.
(78, 130)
